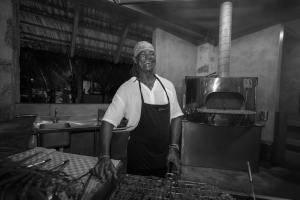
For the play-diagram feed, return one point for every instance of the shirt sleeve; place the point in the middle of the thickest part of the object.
(175, 108)
(115, 111)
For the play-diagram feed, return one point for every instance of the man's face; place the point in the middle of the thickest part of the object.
(146, 60)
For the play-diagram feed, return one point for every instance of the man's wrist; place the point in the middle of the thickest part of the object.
(103, 156)
(174, 146)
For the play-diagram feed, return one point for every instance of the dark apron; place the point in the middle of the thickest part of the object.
(147, 148)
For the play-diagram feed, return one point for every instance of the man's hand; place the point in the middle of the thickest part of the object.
(104, 169)
(173, 160)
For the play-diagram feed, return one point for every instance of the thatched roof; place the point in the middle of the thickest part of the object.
(51, 25)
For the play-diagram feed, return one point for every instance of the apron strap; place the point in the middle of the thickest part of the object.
(160, 84)
(163, 87)
(141, 91)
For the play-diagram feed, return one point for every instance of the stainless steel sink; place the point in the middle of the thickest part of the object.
(51, 119)
(57, 122)
(59, 125)
(59, 139)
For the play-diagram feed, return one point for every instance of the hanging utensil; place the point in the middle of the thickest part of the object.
(251, 180)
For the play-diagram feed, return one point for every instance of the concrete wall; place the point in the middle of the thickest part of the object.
(207, 59)
(259, 55)
(290, 75)
(8, 68)
(176, 58)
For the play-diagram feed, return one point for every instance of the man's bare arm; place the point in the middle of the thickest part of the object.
(176, 130)
(104, 169)
(173, 155)
(105, 138)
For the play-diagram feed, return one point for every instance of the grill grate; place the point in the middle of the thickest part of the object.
(133, 187)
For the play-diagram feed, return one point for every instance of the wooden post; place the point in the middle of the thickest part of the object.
(77, 71)
(121, 43)
(75, 29)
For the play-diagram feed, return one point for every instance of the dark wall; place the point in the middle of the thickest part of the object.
(290, 74)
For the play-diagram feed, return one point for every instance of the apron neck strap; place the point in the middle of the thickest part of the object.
(163, 87)
(160, 84)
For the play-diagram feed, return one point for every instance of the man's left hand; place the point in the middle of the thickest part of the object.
(174, 161)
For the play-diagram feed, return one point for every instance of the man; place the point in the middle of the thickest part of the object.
(150, 105)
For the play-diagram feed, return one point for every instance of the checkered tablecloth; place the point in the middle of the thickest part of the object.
(78, 165)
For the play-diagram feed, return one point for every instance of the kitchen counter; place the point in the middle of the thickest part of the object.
(76, 123)
(80, 134)
(82, 128)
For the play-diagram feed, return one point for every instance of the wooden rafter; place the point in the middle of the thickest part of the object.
(75, 29)
(121, 43)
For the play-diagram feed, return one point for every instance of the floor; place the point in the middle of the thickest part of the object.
(275, 182)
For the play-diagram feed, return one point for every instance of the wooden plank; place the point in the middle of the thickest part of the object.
(75, 29)
(121, 43)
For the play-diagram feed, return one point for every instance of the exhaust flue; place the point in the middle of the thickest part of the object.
(225, 39)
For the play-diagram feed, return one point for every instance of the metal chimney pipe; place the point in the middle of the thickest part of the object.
(225, 39)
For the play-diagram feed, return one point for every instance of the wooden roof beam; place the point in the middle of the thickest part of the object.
(75, 29)
(121, 43)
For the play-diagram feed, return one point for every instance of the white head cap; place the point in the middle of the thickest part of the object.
(141, 46)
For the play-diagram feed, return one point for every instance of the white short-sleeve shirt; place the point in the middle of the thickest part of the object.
(127, 101)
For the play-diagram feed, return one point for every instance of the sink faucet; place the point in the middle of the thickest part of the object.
(55, 115)
(98, 117)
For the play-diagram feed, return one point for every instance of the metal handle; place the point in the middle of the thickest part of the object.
(39, 163)
(251, 180)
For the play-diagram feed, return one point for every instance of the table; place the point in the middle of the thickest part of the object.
(78, 166)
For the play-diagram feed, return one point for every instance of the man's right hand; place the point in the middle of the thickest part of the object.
(105, 170)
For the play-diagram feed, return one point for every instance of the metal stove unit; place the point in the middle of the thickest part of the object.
(221, 100)
(220, 130)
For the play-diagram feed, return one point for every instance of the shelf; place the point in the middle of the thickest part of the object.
(227, 111)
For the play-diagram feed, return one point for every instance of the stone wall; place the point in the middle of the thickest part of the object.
(9, 79)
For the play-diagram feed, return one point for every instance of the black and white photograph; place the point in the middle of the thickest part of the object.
(149, 99)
